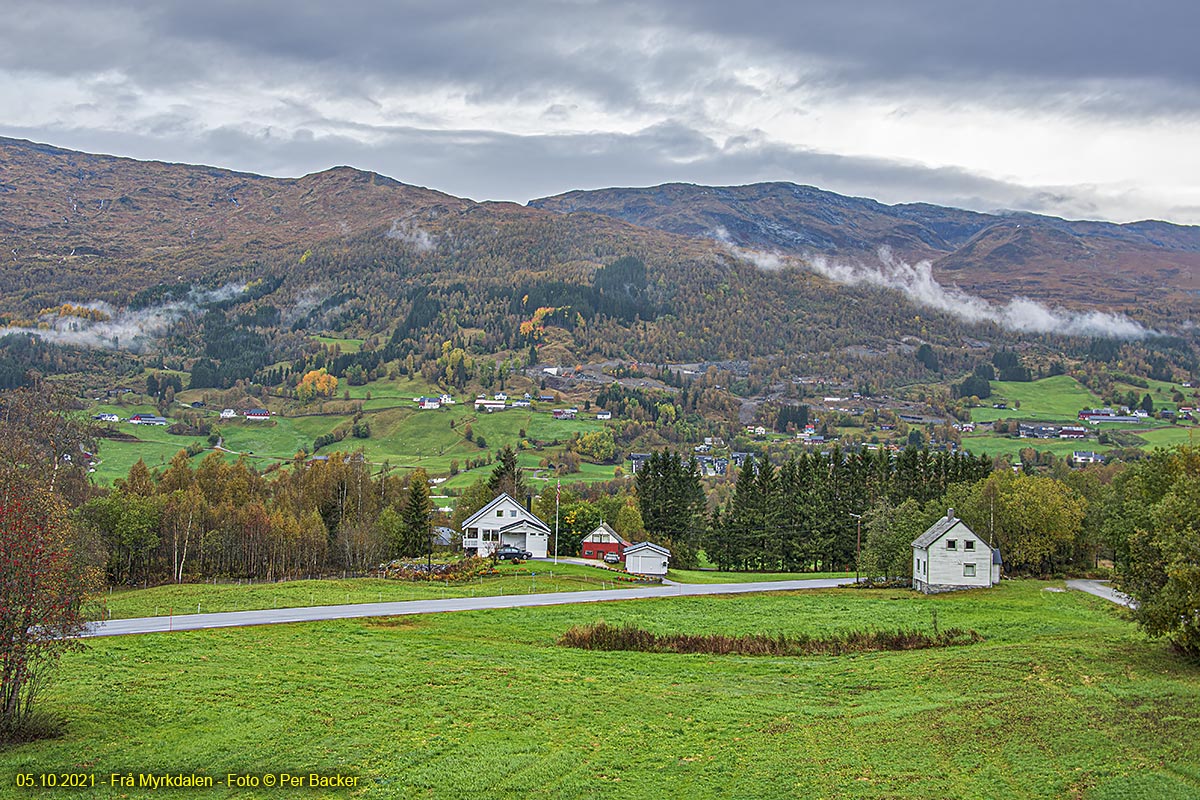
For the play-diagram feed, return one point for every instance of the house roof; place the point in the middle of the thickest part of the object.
(604, 527)
(939, 529)
(651, 546)
(525, 516)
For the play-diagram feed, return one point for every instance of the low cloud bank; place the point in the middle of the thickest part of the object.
(916, 282)
(125, 329)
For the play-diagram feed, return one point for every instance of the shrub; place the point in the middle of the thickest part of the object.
(602, 636)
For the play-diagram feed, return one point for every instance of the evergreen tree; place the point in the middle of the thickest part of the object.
(507, 476)
(416, 516)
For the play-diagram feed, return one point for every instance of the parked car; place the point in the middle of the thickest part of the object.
(612, 558)
(510, 552)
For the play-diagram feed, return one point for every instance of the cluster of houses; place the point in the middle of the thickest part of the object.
(1039, 430)
(708, 466)
(1095, 416)
(250, 414)
(504, 521)
(433, 403)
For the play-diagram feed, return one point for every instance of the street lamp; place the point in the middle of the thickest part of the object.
(857, 546)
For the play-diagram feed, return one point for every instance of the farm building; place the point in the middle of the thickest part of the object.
(950, 556)
(429, 403)
(603, 540)
(257, 414)
(483, 404)
(505, 521)
(603, 415)
(148, 419)
(647, 558)
(1087, 457)
(228, 413)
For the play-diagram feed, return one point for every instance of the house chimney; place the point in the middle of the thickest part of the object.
(950, 515)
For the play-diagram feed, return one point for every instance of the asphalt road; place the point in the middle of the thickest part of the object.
(275, 616)
(1101, 589)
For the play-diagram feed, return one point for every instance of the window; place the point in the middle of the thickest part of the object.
(512, 512)
(587, 552)
(500, 513)
(952, 544)
(968, 570)
(968, 544)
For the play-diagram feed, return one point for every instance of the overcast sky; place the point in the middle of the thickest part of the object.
(1082, 108)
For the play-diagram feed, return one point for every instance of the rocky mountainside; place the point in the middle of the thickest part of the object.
(997, 255)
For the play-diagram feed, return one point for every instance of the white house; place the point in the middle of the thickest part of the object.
(603, 415)
(429, 403)
(228, 413)
(1087, 457)
(257, 414)
(505, 521)
(446, 400)
(949, 556)
(647, 558)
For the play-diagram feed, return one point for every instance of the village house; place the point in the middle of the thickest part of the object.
(1087, 457)
(228, 413)
(428, 403)
(602, 541)
(647, 558)
(446, 400)
(949, 556)
(603, 415)
(505, 521)
(257, 414)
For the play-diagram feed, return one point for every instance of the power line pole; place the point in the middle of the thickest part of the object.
(857, 546)
(557, 493)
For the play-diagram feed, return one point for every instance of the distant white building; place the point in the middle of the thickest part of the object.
(1087, 457)
(257, 415)
(950, 556)
(228, 413)
(603, 415)
(483, 404)
(428, 403)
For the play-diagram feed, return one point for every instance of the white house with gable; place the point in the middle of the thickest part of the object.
(505, 521)
(950, 556)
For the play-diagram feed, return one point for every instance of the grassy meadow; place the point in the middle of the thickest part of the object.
(401, 435)
(1064, 698)
(1057, 398)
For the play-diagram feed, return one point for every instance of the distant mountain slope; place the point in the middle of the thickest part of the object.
(994, 254)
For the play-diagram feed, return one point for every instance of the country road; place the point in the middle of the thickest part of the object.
(274, 616)
(1101, 589)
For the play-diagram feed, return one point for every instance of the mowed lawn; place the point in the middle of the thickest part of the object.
(192, 598)
(1064, 699)
(1058, 398)
(716, 576)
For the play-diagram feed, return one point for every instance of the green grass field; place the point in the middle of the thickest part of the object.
(401, 435)
(1057, 398)
(1064, 698)
(1003, 445)
(715, 576)
(345, 345)
(527, 578)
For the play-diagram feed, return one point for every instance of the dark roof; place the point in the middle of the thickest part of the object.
(937, 530)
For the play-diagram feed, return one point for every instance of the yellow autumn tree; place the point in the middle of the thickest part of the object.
(316, 383)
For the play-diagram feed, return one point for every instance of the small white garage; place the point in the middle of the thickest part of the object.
(647, 558)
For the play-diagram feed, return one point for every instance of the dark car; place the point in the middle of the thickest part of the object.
(510, 553)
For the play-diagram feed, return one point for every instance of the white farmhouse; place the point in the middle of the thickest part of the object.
(949, 556)
(647, 558)
(228, 413)
(505, 521)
